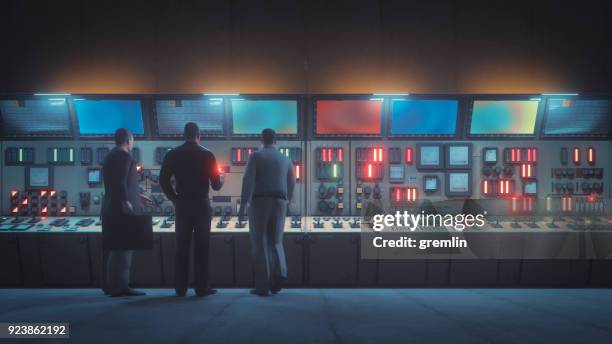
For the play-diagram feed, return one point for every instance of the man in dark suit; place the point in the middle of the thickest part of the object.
(194, 168)
(121, 198)
(267, 186)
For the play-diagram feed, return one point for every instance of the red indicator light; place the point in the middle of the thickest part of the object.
(409, 155)
(297, 172)
(15, 210)
(250, 151)
(527, 204)
(14, 193)
(527, 171)
(369, 170)
(238, 154)
(340, 154)
(375, 152)
(52, 193)
(532, 154)
(44, 210)
(576, 155)
(485, 187)
(513, 155)
(566, 204)
(43, 193)
(591, 198)
(591, 155)
(514, 204)
(24, 201)
(380, 154)
(138, 168)
(63, 210)
(398, 195)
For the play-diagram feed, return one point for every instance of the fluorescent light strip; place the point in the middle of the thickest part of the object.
(377, 99)
(390, 94)
(52, 94)
(221, 94)
(559, 94)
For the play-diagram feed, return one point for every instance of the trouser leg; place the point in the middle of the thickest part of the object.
(259, 248)
(201, 248)
(103, 272)
(118, 273)
(279, 269)
(183, 231)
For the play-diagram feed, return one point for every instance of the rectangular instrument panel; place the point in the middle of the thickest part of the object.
(348, 117)
(173, 114)
(423, 117)
(101, 117)
(504, 117)
(47, 116)
(250, 117)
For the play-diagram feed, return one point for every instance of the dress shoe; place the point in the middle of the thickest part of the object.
(277, 285)
(133, 292)
(209, 291)
(259, 293)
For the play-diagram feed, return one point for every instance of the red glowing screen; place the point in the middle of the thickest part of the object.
(348, 117)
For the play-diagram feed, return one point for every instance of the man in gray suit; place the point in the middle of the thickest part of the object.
(267, 187)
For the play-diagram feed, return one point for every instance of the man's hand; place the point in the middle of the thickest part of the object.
(126, 208)
(241, 212)
(222, 178)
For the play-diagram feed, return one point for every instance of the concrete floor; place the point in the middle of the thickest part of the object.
(323, 315)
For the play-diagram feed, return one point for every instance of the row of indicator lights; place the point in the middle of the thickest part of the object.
(527, 171)
(502, 187)
(590, 156)
(516, 154)
(42, 193)
(327, 154)
(375, 155)
(522, 204)
(408, 194)
(43, 211)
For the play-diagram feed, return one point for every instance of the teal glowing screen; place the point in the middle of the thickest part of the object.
(103, 117)
(504, 117)
(250, 117)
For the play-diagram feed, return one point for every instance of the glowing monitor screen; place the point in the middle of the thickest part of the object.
(35, 117)
(567, 117)
(250, 117)
(459, 182)
(504, 117)
(103, 117)
(38, 177)
(430, 156)
(348, 117)
(172, 115)
(423, 117)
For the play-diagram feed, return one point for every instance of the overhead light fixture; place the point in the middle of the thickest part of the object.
(377, 99)
(52, 94)
(559, 94)
(538, 99)
(221, 94)
(390, 94)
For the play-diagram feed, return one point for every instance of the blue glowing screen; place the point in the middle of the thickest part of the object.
(103, 117)
(250, 117)
(423, 117)
(571, 117)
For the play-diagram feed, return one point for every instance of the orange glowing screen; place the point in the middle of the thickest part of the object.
(348, 117)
